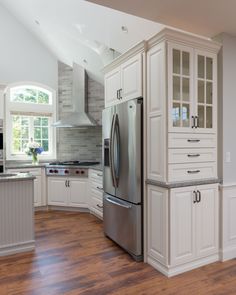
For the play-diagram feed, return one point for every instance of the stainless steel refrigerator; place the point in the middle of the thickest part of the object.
(122, 168)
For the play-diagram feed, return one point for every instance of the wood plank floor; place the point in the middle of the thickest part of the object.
(73, 257)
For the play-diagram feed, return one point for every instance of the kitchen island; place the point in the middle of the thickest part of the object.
(16, 213)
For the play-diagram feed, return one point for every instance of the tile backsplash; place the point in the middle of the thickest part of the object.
(73, 143)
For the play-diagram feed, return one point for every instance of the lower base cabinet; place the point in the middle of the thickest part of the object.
(64, 191)
(182, 227)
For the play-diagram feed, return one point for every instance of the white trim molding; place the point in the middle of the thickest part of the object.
(228, 221)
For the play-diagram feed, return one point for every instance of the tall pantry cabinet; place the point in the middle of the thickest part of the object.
(181, 152)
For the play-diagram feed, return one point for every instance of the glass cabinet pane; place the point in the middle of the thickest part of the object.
(176, 114)
(201, 91)
(209, 117)
(176, 88)
(185, 63)
(201, 120)
(185, 115)
(209, 68)
(185, 89)
(176, 61)
(209, 92)
(201, 67)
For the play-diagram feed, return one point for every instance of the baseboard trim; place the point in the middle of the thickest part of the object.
(228, 253)
(73, 209)
(17, 248)
(173, 271)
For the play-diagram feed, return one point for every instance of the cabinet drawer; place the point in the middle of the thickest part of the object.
(182, 172)
(96, 175)
(96, 189)
(185, 140)
(179, 156)
(97, 204)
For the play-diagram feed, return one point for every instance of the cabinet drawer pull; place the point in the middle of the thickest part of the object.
(195, 197)
(193, 171)
(100, 188)
(193, 155)
(100, 175)
(199, 196)
(193, 140)
(99, 206)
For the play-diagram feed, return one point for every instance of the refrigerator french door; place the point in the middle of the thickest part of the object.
(122, 167)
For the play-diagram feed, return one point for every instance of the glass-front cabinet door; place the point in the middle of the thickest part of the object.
(205, 85)
(180, 87)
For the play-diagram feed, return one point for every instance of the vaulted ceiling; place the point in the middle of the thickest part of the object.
(203, 17)
(80, 31)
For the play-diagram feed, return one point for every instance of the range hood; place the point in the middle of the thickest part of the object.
(79, 117)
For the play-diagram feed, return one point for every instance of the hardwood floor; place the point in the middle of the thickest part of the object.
(73, 257)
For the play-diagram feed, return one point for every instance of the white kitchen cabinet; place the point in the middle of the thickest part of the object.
(181, 106)
(39, 187)
(96, 192)
(63, 191)
(112, 86)
(124, 77)
(78, 193)
(2, 102)
(189, 69)
(183, 225)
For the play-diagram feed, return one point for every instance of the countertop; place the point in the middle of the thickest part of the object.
(44, 165)
(182, 183)
(6, 177)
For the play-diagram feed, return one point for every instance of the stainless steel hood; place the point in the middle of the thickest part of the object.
(79, 117)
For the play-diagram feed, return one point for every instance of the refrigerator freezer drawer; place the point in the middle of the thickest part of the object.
(123, 224)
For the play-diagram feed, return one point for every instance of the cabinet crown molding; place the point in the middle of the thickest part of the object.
(187, 39)
(138, 48)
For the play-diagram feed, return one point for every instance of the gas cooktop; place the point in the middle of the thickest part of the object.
(73, 163)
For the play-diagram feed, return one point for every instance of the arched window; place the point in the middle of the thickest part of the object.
(30, 112)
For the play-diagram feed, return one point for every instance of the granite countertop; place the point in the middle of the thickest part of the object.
(182, 183)
(6, 177)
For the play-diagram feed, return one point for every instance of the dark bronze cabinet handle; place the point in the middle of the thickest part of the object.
(193, 118)
(117, 94)
(99, 206)
(100, 188)
(196, 122)
(193, 171)
(65, 183)
(99, 175)
(193, 140)
(193, 155)
(199, 196)
(195, 197)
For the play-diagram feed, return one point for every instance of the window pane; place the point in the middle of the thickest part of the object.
(176, 114)
(37, 121)
(209, 68)
(208, 117)
(176, 61)
(44, 133)
(201, 70)
(185, 89)
(201, 91)
(43, 98)
(44, 121)
(37, 133)
(30, 95)
(176, 88)
(185, 115)
(201, 119)
(25, 132)
(209, 92)
(45, 145)
(185, 62)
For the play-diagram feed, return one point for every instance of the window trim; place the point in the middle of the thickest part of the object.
(28, 109)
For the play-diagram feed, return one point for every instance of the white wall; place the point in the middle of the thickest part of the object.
(22, 56)
(227, 108)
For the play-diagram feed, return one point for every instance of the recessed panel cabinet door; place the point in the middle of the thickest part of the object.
(207, 220)
(112, 85)
(38, 191)
(182, 225)
(57, 191)
(131, 78)
(78, 196)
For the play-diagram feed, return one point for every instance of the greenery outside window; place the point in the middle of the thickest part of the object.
(30, 112)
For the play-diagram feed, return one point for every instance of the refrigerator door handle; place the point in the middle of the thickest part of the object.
(111, 149)
(118, 203)
(117, 158)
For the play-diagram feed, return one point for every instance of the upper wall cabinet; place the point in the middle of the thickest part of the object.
(1, 102)
(124, 77)
(192, 96)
